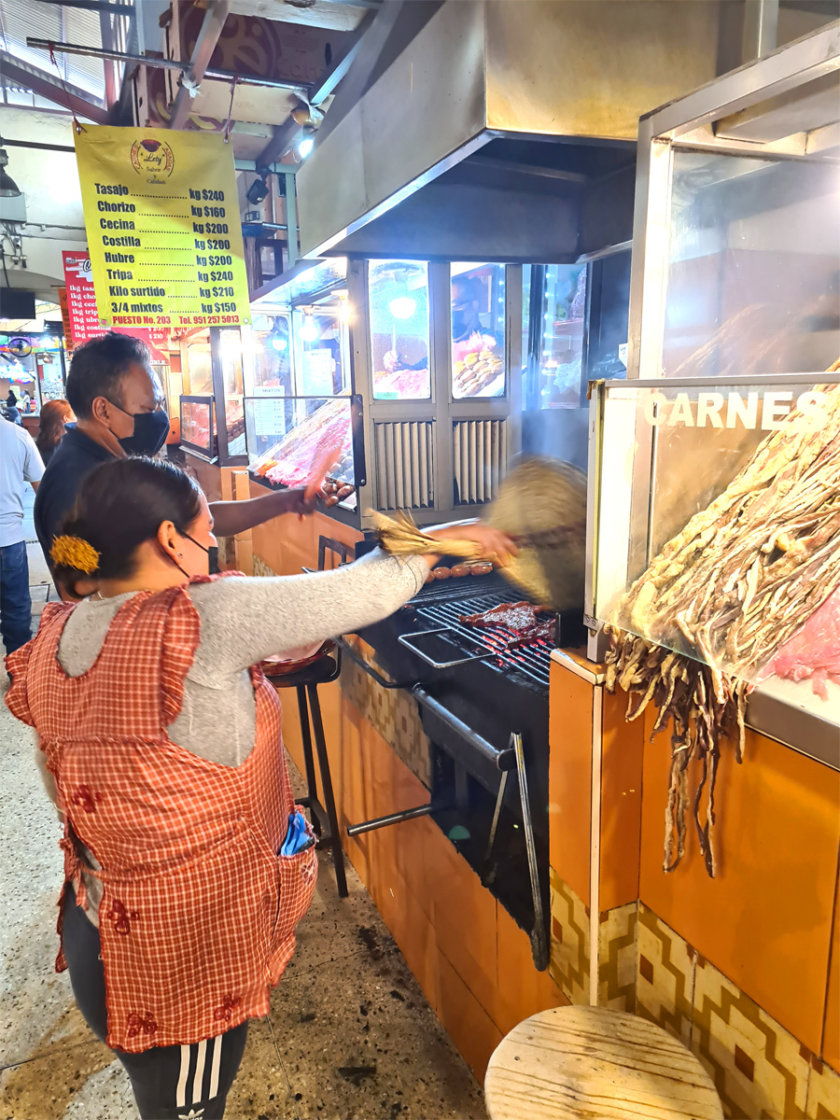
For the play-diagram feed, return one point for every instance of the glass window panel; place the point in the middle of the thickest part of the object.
(752, 273)
(322, 366)
(399, 329)
(288, 435)
(268, 355)
(197, 368)
(478, 330)
(230, 347)
(561, 335)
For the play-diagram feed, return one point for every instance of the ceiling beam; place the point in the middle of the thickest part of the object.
(211, 28)
(94, 6)
(78, 101)
(325, 14)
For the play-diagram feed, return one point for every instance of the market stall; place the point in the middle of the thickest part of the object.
(487, 277)
(710, 850)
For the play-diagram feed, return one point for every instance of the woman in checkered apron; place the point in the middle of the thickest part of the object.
(160, 743)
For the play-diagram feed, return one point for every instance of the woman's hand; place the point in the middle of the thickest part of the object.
(491, 544)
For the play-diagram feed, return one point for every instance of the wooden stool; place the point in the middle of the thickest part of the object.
(574, 1062)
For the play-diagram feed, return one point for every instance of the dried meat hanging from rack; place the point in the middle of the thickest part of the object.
(740, 580)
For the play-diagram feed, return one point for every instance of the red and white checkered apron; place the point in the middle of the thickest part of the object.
(198, 913)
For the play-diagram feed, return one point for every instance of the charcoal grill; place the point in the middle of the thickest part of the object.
(493, 644)
(481, 704)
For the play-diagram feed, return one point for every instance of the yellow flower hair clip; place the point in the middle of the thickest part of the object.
(73, 552)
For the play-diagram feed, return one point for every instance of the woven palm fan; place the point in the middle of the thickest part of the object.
(542, 503)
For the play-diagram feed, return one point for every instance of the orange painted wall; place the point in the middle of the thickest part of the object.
(471, 960)
(831, 1041)
(765, 921)
(622, 756)
(290, 543)
(570, 777)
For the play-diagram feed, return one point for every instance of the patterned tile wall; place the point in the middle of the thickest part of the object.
(569, 963)
(760, 1070)
(665, 984)
(617, 957)
(393, 713)
(823, 1093)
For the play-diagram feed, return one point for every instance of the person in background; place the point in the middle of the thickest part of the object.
(12, 410)
(25, 401)
(54, 415)
(19, 463)
(119, 410)
(161, 744)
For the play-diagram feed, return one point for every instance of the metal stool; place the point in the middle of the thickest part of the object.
(572, 1062)
(305, 680)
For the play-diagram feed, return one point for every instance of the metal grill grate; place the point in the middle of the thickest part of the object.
(533, 660)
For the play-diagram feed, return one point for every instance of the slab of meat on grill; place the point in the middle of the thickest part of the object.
(521, 619)
(814, 650)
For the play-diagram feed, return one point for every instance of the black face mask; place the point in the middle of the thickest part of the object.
(212, 554)
(150, 431)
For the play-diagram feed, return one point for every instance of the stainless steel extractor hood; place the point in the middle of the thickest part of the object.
(504, 129)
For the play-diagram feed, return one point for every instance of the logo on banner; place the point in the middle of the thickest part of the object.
(80, 265)
(153, 159)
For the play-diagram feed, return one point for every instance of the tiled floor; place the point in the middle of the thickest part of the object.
(350, 1036)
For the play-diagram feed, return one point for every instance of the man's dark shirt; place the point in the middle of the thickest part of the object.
(75, 457)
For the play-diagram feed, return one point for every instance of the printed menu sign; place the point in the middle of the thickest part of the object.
(82, 315)
(162, 219)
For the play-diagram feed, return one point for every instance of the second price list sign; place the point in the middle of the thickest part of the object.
(162, 220)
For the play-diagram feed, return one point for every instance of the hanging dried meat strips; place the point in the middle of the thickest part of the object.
(739, 581)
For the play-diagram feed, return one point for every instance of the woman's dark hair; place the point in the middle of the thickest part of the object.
(54, 415)
(98, 367)
(11, 400)
(120, 505)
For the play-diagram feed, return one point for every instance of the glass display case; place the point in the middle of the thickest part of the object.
(198, 426)
(477, 321)
(298, 406)
(736, 254)
(398, 309)
(716, 526)
(712, 526)
(231, 376)
(290, 436)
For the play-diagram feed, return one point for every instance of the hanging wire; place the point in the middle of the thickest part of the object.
(229, 124)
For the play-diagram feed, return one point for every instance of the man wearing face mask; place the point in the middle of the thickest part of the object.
(119, 407)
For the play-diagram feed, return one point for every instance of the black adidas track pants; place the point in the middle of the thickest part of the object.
(169, 1082)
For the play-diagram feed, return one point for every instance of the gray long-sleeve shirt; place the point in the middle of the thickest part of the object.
(243, 621)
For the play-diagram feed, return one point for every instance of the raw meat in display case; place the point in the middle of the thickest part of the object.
(289, 462)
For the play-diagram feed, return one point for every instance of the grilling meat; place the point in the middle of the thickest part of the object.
(521, 619)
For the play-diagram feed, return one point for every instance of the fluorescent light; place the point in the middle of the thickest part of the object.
(305, 146)
(309, 330)
(403, 307)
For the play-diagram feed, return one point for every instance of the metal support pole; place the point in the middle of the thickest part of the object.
(208, 37)
(166, 64)
(292, 243)
(391, 818)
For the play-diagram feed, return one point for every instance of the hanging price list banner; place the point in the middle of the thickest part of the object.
(82, 312)
(162, 219)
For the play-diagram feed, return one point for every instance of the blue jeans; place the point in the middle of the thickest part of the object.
(15, 601)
